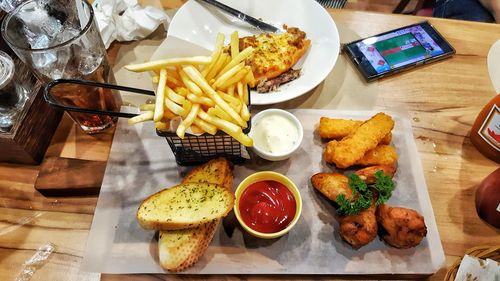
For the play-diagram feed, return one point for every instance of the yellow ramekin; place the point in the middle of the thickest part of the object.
(263, 176)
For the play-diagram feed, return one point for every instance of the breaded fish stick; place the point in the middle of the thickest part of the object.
(352, 148)
(380, 155)
(332, 128)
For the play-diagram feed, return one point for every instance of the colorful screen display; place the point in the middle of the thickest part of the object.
(399, 48)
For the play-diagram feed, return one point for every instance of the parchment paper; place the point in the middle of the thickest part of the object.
(141, 163)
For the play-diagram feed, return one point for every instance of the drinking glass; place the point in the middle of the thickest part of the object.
(14, 92)
(9, 5)
(60, 39)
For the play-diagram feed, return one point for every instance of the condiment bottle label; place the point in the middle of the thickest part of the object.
(490, 129)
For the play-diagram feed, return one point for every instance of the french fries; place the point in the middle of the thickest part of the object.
(160, 96)
(194, 74)
(160, 64)
(235, 44)
(145, 116)
(219, 44)
(208, 93)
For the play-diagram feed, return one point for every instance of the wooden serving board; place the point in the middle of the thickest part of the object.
(141, 163)
(60, 176)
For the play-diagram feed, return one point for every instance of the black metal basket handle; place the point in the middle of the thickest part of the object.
(53, 102)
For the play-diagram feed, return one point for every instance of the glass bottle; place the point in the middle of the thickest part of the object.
(485, 133)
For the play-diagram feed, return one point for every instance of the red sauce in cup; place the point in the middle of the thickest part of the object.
(267, 206)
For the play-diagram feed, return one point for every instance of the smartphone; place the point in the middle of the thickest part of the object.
(397, 50)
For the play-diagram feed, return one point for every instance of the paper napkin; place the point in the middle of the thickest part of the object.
(126, 20)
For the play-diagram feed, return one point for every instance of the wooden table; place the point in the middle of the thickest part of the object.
(442, 99)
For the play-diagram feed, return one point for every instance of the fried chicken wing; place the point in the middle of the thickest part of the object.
(332, 185)
(359, 230)
(401, 227)
(353, 147)
(380, 155)
(368, 174)
(332, 128)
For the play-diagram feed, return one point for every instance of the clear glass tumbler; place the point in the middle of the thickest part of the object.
(60, 39)
(9, 5)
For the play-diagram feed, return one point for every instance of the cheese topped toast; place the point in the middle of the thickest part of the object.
(274, 53)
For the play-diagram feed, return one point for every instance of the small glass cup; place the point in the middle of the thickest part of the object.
(15, 90)
(8, 96)
(60, 39)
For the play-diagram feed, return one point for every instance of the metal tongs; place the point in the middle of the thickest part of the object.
(244, 17)
(54, 90)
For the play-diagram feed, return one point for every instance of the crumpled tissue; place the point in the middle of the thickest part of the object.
(472, 268)
(126, 20)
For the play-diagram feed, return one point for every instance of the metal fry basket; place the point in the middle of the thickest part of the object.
(193, 150)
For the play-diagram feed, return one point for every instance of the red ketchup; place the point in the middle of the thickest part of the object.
(267, 206)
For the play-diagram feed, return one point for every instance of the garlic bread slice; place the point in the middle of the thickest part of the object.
(180, 249)
(185, 206)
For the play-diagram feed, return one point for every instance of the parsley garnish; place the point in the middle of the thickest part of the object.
(362, 194)
(384, 185)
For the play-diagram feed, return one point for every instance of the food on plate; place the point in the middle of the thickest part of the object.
(368, 174)
(361, 196)
(184, 206)
(334, 128)
(275, 133)
(359, 229)
(380, 155)
(351, 193)
(401, 227)
(364, 194)
(267, 206)
(216, 171)
(357, 201)
(332, 185)
(275, 53)
(352, 148)
(201, 93)
(162, 64)
(266, 86)
(180, 249)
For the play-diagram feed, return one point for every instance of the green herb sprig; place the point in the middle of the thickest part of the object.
(362, 195)
(384, 185)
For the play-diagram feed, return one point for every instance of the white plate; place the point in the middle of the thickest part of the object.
(200, 23)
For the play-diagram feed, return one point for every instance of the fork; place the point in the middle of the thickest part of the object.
(337, 4)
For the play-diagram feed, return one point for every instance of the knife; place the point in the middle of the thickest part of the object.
(244, 17)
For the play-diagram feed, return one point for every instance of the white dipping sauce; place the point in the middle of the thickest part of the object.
(275, 134)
